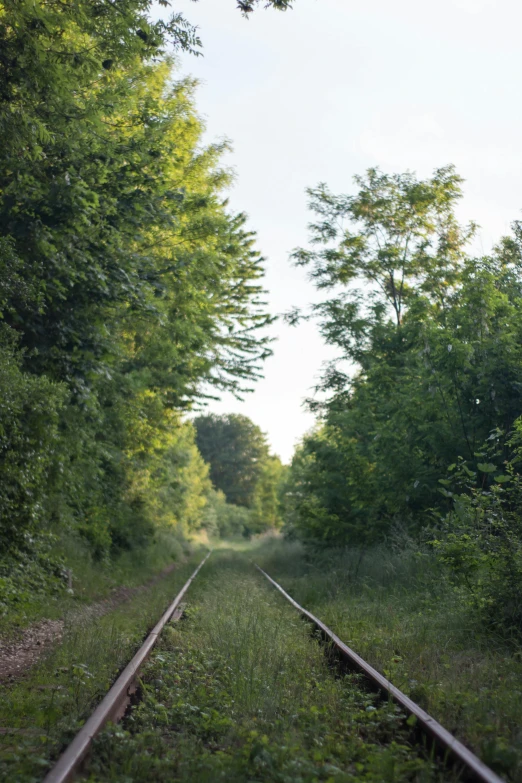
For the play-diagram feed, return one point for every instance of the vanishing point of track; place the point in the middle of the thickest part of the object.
(116, 701)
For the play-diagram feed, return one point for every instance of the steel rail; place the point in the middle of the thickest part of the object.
(477, 770)
(114, 703)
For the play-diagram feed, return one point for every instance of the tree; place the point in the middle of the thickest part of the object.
(435, 335)
(397, 237)
(236, 450)
(128, 285)
(223, 519)
(266, 507)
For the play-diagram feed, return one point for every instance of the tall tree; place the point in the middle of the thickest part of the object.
(236, 450)
(130, 286)
(434, 336)
(395, 238)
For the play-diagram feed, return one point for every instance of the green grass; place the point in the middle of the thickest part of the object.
(47, 707)
(396, 609)
(34, 596)
(241, 691)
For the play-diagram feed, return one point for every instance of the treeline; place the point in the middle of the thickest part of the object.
(247, 479)
(128, 288)
(420, 428)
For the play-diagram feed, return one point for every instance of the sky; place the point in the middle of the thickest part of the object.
(323, 92)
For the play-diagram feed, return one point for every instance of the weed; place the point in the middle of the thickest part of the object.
(240, 691)
(42, 712)
(396, 608)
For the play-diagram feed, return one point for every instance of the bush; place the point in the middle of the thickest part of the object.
(480, 539)
(226, 520)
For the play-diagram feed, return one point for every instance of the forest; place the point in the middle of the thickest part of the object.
(133, 296)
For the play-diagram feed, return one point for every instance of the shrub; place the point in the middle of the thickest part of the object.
(480, 538)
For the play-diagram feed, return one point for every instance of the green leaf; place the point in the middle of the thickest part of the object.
(502, 479)
(487, 467)
(445, 493)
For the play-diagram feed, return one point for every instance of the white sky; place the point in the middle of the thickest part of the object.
(331, 88)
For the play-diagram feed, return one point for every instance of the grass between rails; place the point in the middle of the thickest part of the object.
(240, 691)
(397, 611)
(42, 712)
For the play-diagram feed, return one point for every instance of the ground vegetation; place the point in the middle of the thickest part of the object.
(41, 712)
(239, 690)
(396, 605)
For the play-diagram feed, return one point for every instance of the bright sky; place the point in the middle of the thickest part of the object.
(331, 88)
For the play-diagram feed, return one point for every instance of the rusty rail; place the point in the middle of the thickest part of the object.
(475, 768)
(113, 705)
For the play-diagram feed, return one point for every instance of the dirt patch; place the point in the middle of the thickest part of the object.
(19, 654)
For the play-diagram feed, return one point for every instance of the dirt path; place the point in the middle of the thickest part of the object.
(19, 654)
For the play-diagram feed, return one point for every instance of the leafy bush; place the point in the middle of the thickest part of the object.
(29, 576)
(480, 539)
(225, 520)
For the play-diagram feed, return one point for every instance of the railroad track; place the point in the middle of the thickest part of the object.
(473, 768)
(113, 706)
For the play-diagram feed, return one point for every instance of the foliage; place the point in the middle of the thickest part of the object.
(247, 6)
(405, 239)
(30, 578)
(128, 288)
(222, 519)
(266, 508)
(242, 471)
(435, 338)
(480, 538)
(235, 449)
(29, 441)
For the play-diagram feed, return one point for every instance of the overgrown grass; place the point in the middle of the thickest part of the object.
(44, 710)
(396, 609)
(31, 594)
(240, 691)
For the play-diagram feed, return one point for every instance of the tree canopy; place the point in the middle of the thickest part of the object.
(236, 449)
(243, 471)
(129, 287)
(431, 337)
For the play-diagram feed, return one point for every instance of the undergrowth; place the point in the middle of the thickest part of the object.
(66, 576)
(395, 606)
(41, 713)
(240, 691)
